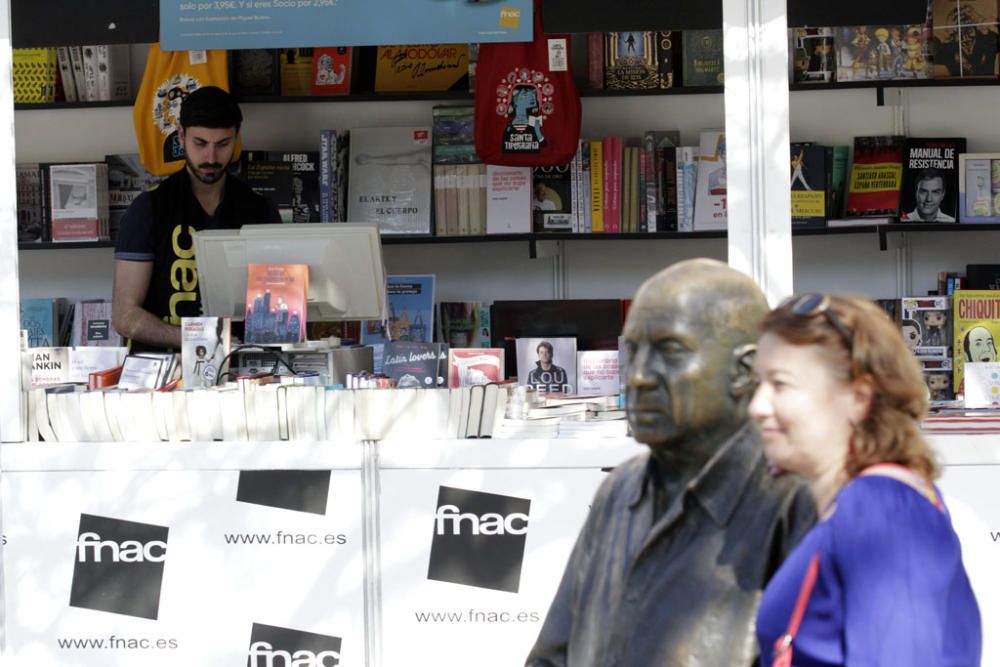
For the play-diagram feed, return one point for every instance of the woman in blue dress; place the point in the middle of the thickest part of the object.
(879, 581)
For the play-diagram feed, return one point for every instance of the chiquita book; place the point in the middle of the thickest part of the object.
(977, 328)
(547, 364)
(276, 303)
(390, 178)
(205, 343)
(876, 176)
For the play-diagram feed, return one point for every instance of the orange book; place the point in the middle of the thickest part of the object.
(276, 303)
(105, 378)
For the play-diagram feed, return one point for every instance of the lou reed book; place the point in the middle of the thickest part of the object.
(548, 364)
(977, 328)
(876, 176)
(276, 303)
(930, 180)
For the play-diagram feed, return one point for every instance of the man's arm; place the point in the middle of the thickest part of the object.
(128, 316)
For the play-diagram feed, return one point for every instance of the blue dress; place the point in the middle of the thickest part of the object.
(891, 591)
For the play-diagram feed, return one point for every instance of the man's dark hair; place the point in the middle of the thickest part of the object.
(928, 174)
(210, 106)
(546, 344)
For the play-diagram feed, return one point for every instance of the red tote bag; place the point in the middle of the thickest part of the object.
(527, 103)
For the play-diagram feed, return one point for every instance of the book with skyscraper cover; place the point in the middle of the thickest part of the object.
(276, 303)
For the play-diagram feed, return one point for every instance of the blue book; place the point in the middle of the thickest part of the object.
(40, 318)
(410, 313)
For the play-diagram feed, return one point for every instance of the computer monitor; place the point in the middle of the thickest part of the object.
(346, 272)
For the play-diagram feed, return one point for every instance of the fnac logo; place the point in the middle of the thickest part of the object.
(273, 646)
(479, 539)
(510, 17)
(118, 566)
(296, 490)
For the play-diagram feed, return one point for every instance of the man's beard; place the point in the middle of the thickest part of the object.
(206, 178)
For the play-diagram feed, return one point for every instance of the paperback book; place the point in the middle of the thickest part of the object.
(276, 303)
(876, 176)
(464, 323)
(809, 178)
(547, 364)
(470, 366)
(205, 343)
(930, 180)
(289, 180)
(977, 328)
(630, 61)
(415, 364)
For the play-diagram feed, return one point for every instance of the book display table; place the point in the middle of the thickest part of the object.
(340, 553)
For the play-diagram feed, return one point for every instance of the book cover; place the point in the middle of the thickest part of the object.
(331, 70)
(687, 181)
(66, 73)
(982, 385)
(930, 180)
(813, 55)
(474, 365)
(464, 323)
(422, 67)
(809, 180)
(703, 58)
(876, 176)
(414, 364)
(979, 187)
(49, 365)
(547, 364)
(35, 75)
(597, 372)
(595, 60)
(551, 200)
(31, 226)
(508, 200)
(965, 38)
(92, 325)
(390, 178)
(837, 179)
(296, 68)
(411, 311)
(983, 276)
(74, 191)
(255, 72)
(40, 318)
(977, 327)
(596, 186)
(276, 303)
(630, 61)
(127, 179)
(113, 72)
(289, 180)
(710, 189)
(205, 343)
(668, 56)
(333, 175)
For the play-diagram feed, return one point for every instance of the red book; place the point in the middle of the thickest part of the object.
(876, 176)
(613, 189)
(468, 366)
(595, 60)
(331, 70)
(276, 303)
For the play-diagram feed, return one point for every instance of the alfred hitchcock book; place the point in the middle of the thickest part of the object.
(276, 303)
(289, 180)
(930, 180)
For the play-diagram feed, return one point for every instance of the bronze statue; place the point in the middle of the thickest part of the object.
(680, 541)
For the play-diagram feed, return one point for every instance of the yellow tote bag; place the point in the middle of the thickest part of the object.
(169, 78)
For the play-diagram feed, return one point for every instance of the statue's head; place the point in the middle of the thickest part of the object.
(690, 338)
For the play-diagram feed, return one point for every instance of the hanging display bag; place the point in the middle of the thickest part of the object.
(169, 78)
(527, 103)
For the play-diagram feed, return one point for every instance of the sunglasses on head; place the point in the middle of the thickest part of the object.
(811, 305)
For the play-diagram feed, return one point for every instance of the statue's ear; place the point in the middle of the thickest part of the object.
(742, 380)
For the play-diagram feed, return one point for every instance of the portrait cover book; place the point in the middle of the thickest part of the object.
(560, 377)
(205, 343)
(809, 180)
(289, 180)
(552, 200)
(390, 178)
(276, 303)
(468, 366)
(977, 329)
(876, 176)
(930, 180)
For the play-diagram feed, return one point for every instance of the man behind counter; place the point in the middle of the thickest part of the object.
(156, 279)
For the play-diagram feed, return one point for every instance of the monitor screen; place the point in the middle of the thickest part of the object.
(346, 272)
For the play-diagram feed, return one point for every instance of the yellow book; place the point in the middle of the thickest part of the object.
(422, 67)
(35, 75)
(596, 186)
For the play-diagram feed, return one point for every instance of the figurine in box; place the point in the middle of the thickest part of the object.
(911, 333)
(935, 327)
(939, 385)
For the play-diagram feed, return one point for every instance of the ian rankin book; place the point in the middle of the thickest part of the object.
(390, 178)
(547, 364)
(205, 343)
(276, 303)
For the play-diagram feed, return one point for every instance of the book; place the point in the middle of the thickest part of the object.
(508, 200)
(422, 67)
(710, 189)
(630, 61)
(76, 62)
(964, 38)
(415, 364)
(127, 179)
(205, 343)
(876, 176)
(979, 187)
(92, 325)
(687, 181)
(331, 70)
(333, 175)
(595, 60)
(976, 329)
(596, 186)
(661, 184)
(410, 311)
(668, 56)
(597, 372)
(809, 178)
(87, 361)
(40, 318)
(296, 72)
(982, 276)
(114, 81)
(78, 201)
(255, 72)
(930, 180)
(703, 58)
(551, 200)
(547, 364)
(390, 178)
(836, 179)
(276, 303)
(31, 227)
(982, 384)
(813, 55)
(35, 75)
(289, 180)
(49, 366)
(464, 323)
(66, 73)
(468, 366)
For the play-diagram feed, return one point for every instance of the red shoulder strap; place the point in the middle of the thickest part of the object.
(783, 645)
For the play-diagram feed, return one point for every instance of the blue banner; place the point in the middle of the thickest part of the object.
(258, 24)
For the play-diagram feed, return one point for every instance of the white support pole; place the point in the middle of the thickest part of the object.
(757, 154)
(11, 427)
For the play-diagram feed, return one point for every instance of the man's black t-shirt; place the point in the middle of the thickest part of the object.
(159, 226)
